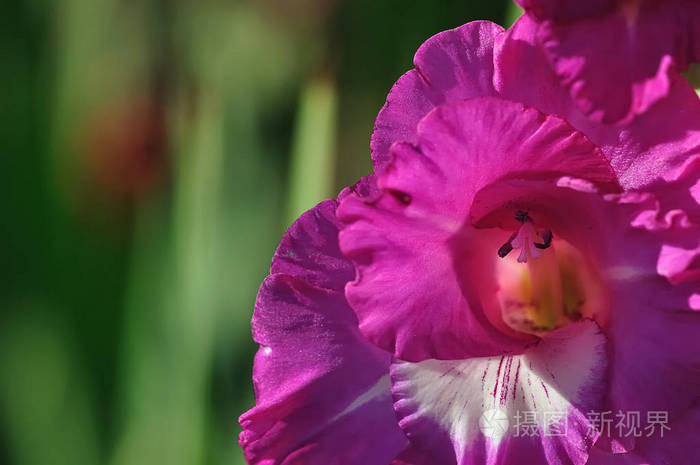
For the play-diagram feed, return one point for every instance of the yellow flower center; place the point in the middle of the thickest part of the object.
(552, 288)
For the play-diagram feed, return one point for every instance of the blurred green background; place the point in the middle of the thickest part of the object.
(152, 153)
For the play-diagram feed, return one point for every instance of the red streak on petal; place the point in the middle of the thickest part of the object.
(498, 377)
(515, 383)
(546, 392)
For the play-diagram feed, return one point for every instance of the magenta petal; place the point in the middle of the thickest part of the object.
(614, 71)
(451, 66)
(654, 335)
(309, 250)
(680, 263)
(599, 457)
(414, 456)
(658, 146)
(679, 255)
(566, 10)
(522, 73)
(447, 408)
(405, 306)
(694, 35)
(411, 245)
(617, 58)
(322, 391)
(678, 446)
(653, 329)
(661, 145)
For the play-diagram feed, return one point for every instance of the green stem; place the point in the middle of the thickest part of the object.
(312, 160)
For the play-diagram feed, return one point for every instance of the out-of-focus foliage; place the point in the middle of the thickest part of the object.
(152, 153)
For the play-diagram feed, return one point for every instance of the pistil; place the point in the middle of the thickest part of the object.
(524, 239)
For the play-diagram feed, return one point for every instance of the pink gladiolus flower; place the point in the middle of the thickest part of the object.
(617, 56)
(512, 270)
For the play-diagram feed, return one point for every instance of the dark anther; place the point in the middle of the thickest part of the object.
(547, 236)
(522, 216)
(505, 249)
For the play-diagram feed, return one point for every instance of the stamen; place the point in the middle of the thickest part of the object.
(524, 239)
(526, 243)
(547, 237)
(522, 216)
(505, 249)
